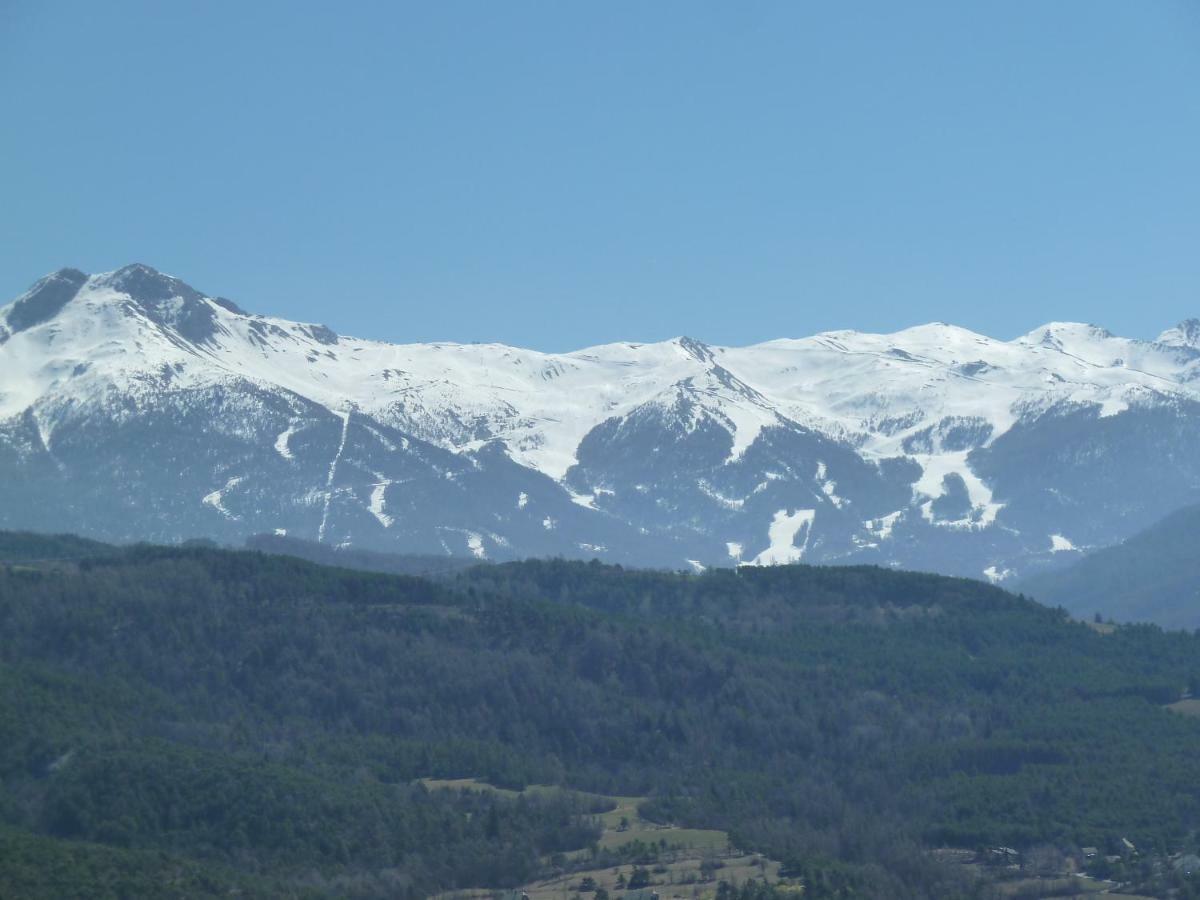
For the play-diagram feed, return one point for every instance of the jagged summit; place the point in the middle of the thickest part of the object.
(179, 311)
(147, 285)
(45, 299)
(167, 301)
(1056, 335)
(1185, 334)
(165, 298)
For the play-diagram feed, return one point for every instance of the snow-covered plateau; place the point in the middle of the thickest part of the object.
(134, 407)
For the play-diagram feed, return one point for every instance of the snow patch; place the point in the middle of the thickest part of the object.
(333, 471)
(475, 545)
(931, 485)
(882, 527)
(378, 496)
(281, 442)
(995, 576)
(44, 429)
(829, 488)
(728, 502)
(782, 534)
(587, 501)
(1059, 544)
(215, 498)
(746, 420)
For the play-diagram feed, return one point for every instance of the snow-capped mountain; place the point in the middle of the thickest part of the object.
(134, 407)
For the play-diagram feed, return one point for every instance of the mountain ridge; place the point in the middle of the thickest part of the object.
(1152, 576)
(795, 448)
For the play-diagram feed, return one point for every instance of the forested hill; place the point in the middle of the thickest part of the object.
(219, 720)
(429, 565)
(27, 546)
(1153, 576)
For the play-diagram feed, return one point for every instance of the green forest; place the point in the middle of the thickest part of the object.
(205, 721)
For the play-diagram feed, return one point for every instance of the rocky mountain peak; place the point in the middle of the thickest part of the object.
(169, 302)
(147, 285)
(1185, 334)
(45, 299)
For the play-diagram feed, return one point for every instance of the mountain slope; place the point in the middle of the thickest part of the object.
(1153, 576)
(134, 407)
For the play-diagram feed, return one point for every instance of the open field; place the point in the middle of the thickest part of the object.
(1051, 887)
(638, 829)
(692, 864)
(690, 874)
(622, 824)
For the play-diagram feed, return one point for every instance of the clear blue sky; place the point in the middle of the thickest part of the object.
(558, 174)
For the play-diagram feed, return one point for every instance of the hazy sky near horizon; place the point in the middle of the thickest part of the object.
(561, 174)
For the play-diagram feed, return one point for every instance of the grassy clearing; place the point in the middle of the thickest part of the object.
(689, 874)
(474, 784)
(691, 861)
(1052, 887)
(622, 825)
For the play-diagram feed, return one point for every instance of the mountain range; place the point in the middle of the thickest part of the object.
(134, 407)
